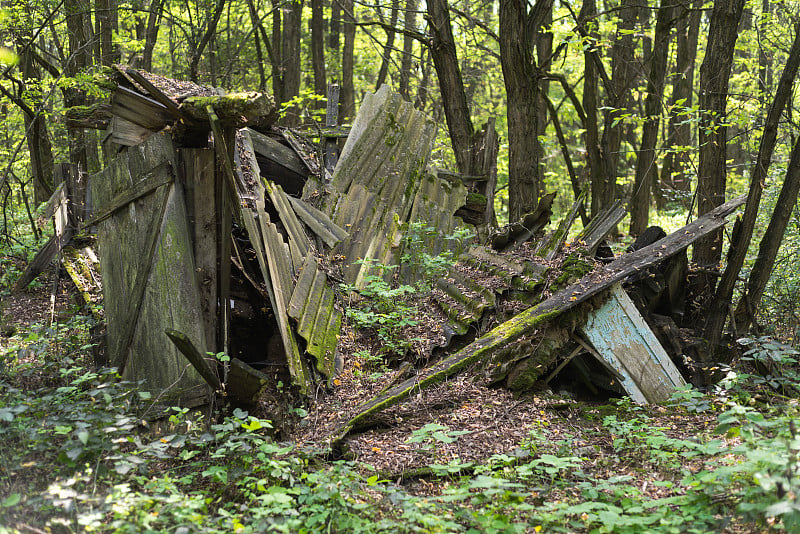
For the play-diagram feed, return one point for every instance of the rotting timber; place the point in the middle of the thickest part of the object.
(220, 233)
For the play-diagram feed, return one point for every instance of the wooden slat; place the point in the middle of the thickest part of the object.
(139, 109)
(199, 177)
(322, 225)
(127, 133)
(630, 350)
(278, 262)
(283, 155)
(198, 361)
(151, 181)
(154, 92)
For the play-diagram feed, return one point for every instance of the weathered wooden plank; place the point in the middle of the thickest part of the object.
(97, 116)
(245, 383)
(526, 322)
(127, 133)
(234, 109)
(319, 223)
(297, 237)
(601, 225)
(139, 109)
(553, 246)
(147, 184)
(630, 350)
(279, 153)
(198, 361)
(152, 90)
(279, 268)
(521, 231)
(149, 277)
(197, 167)
(331, 148)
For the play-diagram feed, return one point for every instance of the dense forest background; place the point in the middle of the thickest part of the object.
(670, 108)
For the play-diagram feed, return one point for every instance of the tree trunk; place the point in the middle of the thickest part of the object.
(106, 22)
(208, 34)
(454, 99)
(646, 164)
(348, 95)
(622, 76)
(335, 25)
(594, 159)
(38, 138)
(770, 243)
(715, 321)
(292, 30)
(410, 24)
(387, 48)
(519, 33)
(764, 59)
(273, 51)
(714, 76)
(676, 171)
(83, 144)
(151, 34)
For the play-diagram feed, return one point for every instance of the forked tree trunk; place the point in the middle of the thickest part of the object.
(454, 97)
(519, 33)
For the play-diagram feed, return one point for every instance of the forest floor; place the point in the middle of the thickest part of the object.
(476, 426)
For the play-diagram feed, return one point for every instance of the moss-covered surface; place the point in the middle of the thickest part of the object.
(233, 107)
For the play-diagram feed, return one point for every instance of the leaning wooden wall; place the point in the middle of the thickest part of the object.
(149, 273)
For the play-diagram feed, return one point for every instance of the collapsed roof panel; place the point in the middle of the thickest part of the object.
(381, 183)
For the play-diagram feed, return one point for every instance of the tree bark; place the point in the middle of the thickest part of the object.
(675, 171)
(622, 76)
(409, 24)
(519, 33)
(454, 98)
(83, 144)
(387, 48)
(292, 30)
(646, 164)
(718, 313)
(200, 47)
(151, 34)
(348, 95)
(714, 76)
(595, 170)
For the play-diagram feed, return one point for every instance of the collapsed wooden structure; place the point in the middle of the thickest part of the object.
(221, 235)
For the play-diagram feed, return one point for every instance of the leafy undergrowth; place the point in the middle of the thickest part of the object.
(81, 450)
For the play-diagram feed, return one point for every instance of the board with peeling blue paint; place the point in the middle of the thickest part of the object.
(630, 350)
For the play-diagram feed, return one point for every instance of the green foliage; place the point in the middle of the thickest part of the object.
(383, 309)
(419, 241)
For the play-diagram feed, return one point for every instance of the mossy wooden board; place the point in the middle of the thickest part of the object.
(149, 279)
(630, 350)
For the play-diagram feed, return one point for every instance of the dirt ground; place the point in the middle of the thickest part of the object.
(493, 420)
